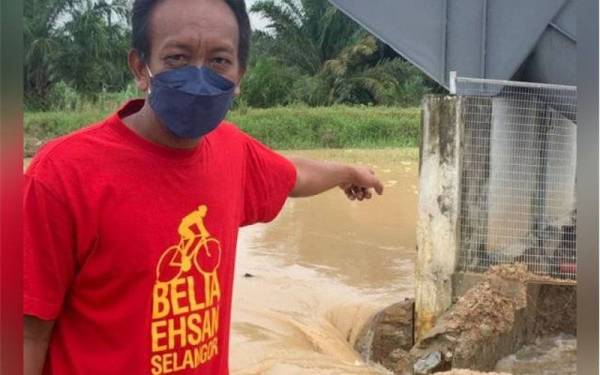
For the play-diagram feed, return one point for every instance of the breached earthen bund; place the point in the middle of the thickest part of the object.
(493, 315)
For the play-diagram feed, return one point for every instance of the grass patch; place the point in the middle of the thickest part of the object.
(388, 156)
(331, 127)
(48, 125)
(283, 128)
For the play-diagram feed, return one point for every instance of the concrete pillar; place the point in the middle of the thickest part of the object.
(438, 208)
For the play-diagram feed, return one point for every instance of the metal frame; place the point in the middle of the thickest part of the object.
(518, 156)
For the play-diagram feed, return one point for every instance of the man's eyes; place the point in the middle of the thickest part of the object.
(176, 59)
(221, 61)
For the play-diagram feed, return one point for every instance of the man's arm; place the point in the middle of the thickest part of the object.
(36, 336)
(314, 177)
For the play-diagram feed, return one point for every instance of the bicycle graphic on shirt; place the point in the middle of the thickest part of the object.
(196, 247)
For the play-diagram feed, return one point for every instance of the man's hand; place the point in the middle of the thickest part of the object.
(315, 177)
(362, 181)
(36, 336)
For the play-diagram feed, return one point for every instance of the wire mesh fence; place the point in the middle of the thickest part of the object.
(518, 176)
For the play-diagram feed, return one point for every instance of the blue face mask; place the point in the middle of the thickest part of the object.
(190, 101)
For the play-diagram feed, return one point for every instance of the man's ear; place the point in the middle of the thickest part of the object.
(139, 70)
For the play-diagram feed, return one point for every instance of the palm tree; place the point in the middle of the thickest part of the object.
(93, 46)
(360, 75)
(40, 31)
(76, 41)
(308, 32)
(337, 60)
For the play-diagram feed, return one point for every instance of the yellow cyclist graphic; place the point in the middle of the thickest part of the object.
(184, 330)
(196, 246)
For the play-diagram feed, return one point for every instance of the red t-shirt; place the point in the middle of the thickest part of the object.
(130, 246)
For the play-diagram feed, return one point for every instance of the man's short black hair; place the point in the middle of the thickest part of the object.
(140, 22)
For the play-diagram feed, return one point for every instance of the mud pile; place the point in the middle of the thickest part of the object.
(508, 308)
(484, 325)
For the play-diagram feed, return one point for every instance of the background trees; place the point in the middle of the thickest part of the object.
(75, 50)
(325, 59)
(74, 47)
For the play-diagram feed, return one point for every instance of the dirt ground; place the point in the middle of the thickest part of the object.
(490, 314)
(556, 303)
(557, 311)
(487, 308)
(484, 311)
(519, 272)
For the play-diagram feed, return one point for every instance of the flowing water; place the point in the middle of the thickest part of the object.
(548, 356)
(321, 269)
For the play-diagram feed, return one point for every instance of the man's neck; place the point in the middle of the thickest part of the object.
(145, 123)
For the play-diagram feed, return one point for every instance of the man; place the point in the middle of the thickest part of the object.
(131, 223)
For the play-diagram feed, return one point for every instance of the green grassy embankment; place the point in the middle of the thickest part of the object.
(282, 128)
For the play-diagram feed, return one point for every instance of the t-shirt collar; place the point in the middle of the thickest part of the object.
(133, 106)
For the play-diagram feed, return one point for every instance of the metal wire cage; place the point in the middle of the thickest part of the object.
(518, 176)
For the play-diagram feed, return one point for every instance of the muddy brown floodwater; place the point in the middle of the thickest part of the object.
(321, 269)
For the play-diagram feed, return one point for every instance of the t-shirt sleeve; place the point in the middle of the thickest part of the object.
(48, 250)
(269, 178)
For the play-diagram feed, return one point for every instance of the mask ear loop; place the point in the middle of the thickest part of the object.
(151, 76)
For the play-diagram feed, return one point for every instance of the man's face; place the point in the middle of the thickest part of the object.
(193, 32)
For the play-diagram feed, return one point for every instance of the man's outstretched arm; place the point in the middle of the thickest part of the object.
(36, 336)
(315, 177)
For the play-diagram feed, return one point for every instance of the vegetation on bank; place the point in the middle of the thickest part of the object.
(285, 128)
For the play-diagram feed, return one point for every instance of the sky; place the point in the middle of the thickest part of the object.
(257, 22)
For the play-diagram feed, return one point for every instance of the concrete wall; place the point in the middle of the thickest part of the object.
(458, 222)
(438, 209)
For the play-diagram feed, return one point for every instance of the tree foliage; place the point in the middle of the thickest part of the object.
(80, 43)
(310, 53)
(94, 45)
(308, 32)
(335, 60)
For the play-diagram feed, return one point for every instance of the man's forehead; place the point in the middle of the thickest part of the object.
(183, 21)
